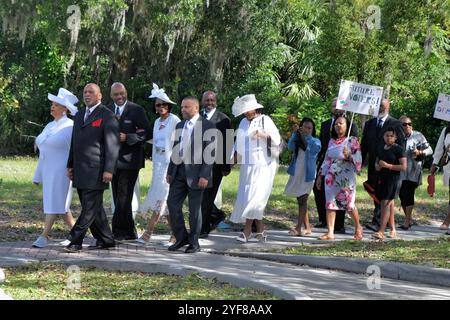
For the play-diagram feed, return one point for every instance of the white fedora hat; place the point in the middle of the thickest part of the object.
(66, 99)
(160, 94)
(244, 104)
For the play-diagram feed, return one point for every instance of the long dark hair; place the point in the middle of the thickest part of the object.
(306, 119)
(333, 130)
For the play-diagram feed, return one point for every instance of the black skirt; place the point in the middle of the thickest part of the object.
(387, 187)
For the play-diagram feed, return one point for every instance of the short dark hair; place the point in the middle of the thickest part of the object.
(390, 129)
(333, 130)
(169, 104)
(306, 119)
(192, 98)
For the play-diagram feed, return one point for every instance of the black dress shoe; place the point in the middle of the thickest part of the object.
(340, 231)
(101, 246)
(192, 249)
(125, 238)
(320, 225)
(203, 235)
(73, 248)
(179, 244)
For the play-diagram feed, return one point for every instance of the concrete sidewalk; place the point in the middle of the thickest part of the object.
(285, 280)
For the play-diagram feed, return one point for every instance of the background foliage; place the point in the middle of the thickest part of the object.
(291, 53)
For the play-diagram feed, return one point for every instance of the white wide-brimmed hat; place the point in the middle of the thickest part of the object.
(66, 99)
(160, 94)
(244, 104)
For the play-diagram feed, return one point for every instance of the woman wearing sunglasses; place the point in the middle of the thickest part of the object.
(156, 200)
(417, 148)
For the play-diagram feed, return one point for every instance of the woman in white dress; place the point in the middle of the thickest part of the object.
(54, 145)
(441, 161)
(163, 129)
(258, 166)
(302, 171)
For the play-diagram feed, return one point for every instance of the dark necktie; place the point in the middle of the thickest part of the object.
(117, 112)
(88, 113)
(204, 115)
(379, 125)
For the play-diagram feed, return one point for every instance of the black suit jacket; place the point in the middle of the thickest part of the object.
(134, 123)
(325, 136)
(222, 123)
(372, 144)
(197, 167)
(94, 148)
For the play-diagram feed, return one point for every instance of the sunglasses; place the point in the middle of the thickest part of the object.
(161, 104)
(407, 124)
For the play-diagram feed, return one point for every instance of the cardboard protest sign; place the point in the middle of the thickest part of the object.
(442, 110)
(359, 98)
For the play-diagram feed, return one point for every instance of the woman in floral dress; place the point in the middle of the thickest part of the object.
(342, 163)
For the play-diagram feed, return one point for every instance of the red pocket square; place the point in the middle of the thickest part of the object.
(97, 123)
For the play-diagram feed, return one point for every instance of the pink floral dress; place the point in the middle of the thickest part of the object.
(340, 174)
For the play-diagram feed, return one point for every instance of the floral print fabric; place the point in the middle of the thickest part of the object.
(340, 174)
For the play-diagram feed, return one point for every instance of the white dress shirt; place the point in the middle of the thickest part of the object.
(91, 109)
(120, 108)
(210, 114)
(187, 131)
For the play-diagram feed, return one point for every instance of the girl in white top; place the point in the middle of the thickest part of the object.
(163, 129)
(54, 145)
(258, 167)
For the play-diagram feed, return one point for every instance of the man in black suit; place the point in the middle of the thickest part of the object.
(190, 173)
(92, 162)
(134, 131)
(211, 215)
(319, 195)
(372, 143)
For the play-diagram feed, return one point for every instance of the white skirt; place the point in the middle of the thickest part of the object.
(296, 185)
(255, 187)
(156, 199)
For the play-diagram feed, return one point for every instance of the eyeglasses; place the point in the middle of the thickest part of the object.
(407, 124)
(161, 104)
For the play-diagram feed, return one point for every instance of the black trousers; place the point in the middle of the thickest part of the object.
(209, 195)
(122, 188)
(319, 197)
(92, 217)
(178, 192)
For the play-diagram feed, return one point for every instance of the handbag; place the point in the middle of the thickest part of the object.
(274, 150)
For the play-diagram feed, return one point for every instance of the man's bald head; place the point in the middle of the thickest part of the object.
(209, 100)
(119, 93)
(385, 106)
(190, 107)
(92, 94)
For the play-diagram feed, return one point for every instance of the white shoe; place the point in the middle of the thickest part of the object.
(40, 242)
(64, 243)
(243, 238)
(258, 237)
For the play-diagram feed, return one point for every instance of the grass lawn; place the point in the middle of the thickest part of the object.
(21, 216)
(49, 282)
(434, 253)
